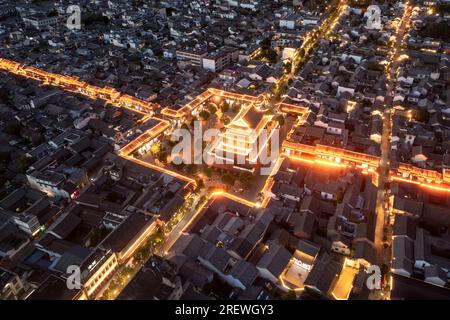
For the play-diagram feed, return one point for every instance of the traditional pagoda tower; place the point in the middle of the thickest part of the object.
(244, 140)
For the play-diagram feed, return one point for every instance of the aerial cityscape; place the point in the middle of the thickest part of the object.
(225, 150)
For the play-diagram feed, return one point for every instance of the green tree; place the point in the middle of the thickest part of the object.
(443, 8)
(94, 18)
(162, 157)
(212, 108)
(5, 157)
(97, 236)
(204, 114)
(225, 119)
(24, 163)
(384, 269)
(280, 120)
(422, 115)
(208, 172)
(374, 65)
(228, 179)
(290, 295)
(266, 43)
(437, 30)
(359, 3)
(200, 184)
(269, 55)
(137, 3)
(178, 166)
(191, 169)
(287, 66)
(245, 178)
(12, 127)
(225, 106)
(4, 95)
(156, 148)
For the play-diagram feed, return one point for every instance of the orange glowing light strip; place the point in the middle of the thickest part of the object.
(141, 239)
(435, 187)
(216, 193)
(319, 162)
(172, 113)
(422, 184)
(237, 96)
(295, 146)
(347, 154)
(270, 182)
(209, 93)
(131, 109)
(332, 151)
(103, 276)
(194, 215)
(144, 119)
(186, 109)
(285, 107)
(329, 163)
(160, 169)
(289, 288)
(62, 81)
(92, 91)
(191, 220)
(419, 172)
(370, 161)
(266, 199)
(145, 137)
(9, 65)
(234, 198)
(267, 186)
(301, 159)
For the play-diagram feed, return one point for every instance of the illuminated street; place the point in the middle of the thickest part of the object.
(384, 255)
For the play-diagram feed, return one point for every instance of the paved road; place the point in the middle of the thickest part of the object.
(170, 239)
(177, 231)
(310, 41)
(383, 255)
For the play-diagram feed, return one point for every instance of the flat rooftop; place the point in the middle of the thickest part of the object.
(294, 275)
(344, 284)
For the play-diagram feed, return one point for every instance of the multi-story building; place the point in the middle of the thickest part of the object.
(191, 56)
(214, 61)
(244, 141)
(40, 21)
(11, 286)
(53, 183)
(96, 270)
(289, 21)
(221, 59)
